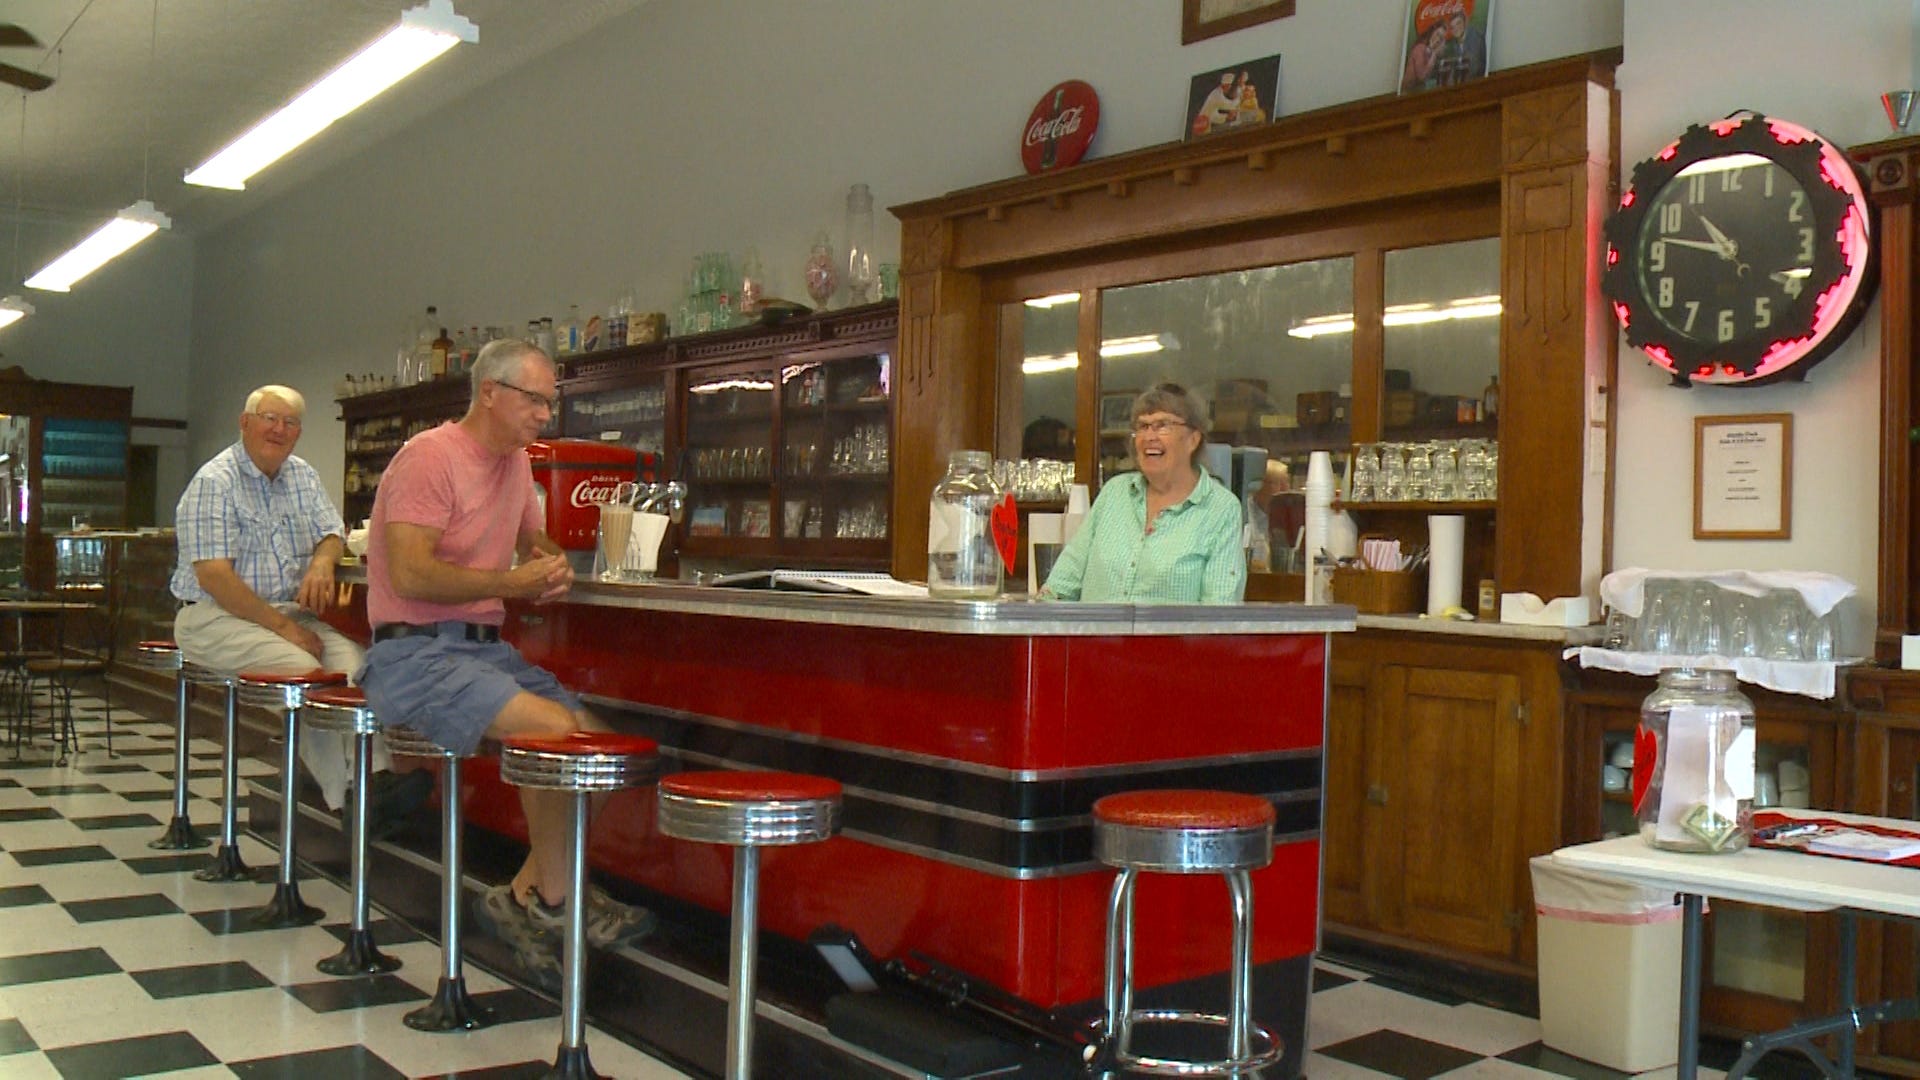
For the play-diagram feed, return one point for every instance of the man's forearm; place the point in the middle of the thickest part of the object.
(439, 582)
(330, 548)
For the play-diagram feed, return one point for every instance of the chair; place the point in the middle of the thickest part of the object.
(747, 811)
(344, 710)
(76, 657)
(164, 656)
(227, 866)
(1182, 832)
(288, 694)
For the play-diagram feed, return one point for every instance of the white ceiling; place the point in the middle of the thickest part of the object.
(146, 89)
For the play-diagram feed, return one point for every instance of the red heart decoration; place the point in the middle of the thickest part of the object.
(1645, 750)
(1006, 530)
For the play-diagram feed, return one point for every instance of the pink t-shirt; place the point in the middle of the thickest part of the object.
(480, 501)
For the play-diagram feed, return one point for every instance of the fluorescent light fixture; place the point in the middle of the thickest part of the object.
(1041, 365)
(1134, 345)
(129, 227)
(1053, 301)
(1468, 307)
(423, 34)
(12, 310)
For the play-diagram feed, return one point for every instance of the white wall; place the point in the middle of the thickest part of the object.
(1825, 68)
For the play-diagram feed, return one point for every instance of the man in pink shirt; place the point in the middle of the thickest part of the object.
(454, 509)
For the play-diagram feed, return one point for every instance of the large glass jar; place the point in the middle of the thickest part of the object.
(962, 561)
(1693, 763)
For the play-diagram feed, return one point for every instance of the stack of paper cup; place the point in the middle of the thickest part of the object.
(1076, 514)
(1447, 540)
(1319, 492)
(643, 554)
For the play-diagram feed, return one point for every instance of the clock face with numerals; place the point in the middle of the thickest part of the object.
(1740, 254)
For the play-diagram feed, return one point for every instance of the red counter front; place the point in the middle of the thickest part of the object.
(970, 761)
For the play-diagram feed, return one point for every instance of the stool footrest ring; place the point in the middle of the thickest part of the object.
(1265, 1047)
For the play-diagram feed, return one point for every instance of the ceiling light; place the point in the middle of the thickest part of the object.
(1134, 345)
(1470, 307)
(132, 225)
(13, 309)
(1053, 301)
(1041, 365)
(424, 33)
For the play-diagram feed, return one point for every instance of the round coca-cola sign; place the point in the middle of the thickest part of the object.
(1061, 127)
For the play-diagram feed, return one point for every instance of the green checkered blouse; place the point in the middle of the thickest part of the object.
(1192, 555)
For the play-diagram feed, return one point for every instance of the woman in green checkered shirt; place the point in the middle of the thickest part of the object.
(1167, 534)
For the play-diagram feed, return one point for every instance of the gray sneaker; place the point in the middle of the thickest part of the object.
(502, 916)
(610, 923)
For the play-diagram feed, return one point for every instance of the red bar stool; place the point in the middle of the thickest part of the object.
(165, 656)
(452, 1008)
(228, 867)
(288, 693)
(580, 763)
(747, 811)
(1182, 832)
(344, 710)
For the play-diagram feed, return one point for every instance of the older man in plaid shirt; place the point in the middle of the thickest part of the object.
(258, 540)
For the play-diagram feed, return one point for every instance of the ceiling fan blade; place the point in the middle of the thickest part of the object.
(24, 79)
(15, 35)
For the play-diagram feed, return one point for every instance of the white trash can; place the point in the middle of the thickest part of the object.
(1609, 960)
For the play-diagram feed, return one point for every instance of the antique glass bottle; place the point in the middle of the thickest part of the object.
(962, 562)
(1693, 763)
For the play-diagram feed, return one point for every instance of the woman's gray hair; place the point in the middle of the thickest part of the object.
(285, 393)
(501, 359)
(1171, 397)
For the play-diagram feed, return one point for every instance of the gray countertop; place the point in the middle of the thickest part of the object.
(1414, 624)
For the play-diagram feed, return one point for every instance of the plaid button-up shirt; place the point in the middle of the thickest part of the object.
(267, 526)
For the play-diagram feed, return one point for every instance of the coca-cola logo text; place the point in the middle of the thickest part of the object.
(594, 491)
(1058, 127)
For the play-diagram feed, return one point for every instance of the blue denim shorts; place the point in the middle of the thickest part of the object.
(451, 689)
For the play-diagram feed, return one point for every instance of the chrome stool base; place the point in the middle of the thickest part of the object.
(229, 868)
(180, 836)
(359, 956)
(286, 910)
(572, 1064)
(452, 1009)
(165, 656)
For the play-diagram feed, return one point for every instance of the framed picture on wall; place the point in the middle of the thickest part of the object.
(1743, 477)
(1240, 96)
(1444, 43)
(1115, 410)
(1202, 19)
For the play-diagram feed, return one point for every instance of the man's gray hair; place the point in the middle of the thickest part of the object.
(285, 393)
(501, 358)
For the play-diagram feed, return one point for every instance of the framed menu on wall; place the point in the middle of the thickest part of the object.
(1743, 477)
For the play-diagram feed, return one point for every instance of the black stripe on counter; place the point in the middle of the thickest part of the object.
(1004, 823)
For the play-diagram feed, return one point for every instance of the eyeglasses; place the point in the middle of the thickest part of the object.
(537, 400)
(1156, 427)
(291, 423)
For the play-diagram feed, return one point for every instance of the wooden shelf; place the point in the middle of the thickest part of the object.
(1424, 506)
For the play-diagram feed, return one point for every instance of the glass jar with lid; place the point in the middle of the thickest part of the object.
(1693, 763)
(962, 561)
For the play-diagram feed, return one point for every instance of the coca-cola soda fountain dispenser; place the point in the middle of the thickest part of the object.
(576, 476)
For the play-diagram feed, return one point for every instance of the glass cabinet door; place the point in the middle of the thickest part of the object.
(836, 448)
(729, 454)
(633, 415)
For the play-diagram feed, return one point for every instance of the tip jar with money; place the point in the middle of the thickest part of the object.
(962, 561)
(1693, 763)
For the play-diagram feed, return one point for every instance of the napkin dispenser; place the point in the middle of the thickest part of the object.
(1528, 609)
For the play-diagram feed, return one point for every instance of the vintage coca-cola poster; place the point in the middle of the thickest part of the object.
(1445, 43)
(1061, 128)
(1244, 95)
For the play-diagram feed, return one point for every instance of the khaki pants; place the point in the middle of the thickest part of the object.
(210, 636)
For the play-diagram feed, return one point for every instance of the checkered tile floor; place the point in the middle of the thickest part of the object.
(115, 962)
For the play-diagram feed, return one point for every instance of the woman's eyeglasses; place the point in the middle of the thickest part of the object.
(1156, 427)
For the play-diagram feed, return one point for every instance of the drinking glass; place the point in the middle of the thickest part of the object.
(1446, 472)
(1785, 637)
(1365, 473)
(1419, 472)
(1656, 623)
(1393, 472)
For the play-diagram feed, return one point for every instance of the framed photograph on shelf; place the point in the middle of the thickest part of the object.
(1444, 43)
(1743, 477)
(1233, 98)
(1202, 19)
(1115, 411)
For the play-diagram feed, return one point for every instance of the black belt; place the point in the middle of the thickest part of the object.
(484, 632)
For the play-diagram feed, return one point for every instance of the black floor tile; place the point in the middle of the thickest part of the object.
(121, 907)
(1421, 990)
(192, 774)
(1779, 1065)
(1327, 980)
(46, 967)
(157, 795)
(27, 763)
(184, 862)
(23, 895)
(200, 979)
(29, 813)
(116, 821)
(526, 1070)
(337, 994)
(1547, 1059)
(512, 1005)
(14, 1038)
(142, 1055)
(70, 789)
(385, 931)
(341, 1063)
(1401, 1055)
(8, 782)
(147, 751)
(56, 856)
(237, 920)
(107, 770)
